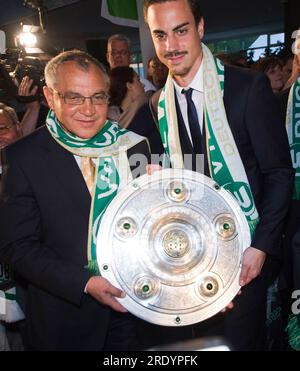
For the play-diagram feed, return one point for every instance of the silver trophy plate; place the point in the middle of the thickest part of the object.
(173, 242)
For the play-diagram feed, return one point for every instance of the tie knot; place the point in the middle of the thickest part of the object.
(188, 93)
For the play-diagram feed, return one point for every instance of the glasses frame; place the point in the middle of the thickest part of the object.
(122, 52)
(83, 98)
(6, 129)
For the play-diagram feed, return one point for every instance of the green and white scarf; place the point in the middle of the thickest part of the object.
(10, 310)
(226, 166)
(109, 149)
(293, 129)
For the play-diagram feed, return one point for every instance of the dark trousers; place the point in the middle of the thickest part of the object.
(293, 237)
(290, 252)
(245, 326)
(122, 333)
(290, 273)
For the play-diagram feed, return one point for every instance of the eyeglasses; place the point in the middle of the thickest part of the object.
(75, 99)
(122, 52)
(5, 129)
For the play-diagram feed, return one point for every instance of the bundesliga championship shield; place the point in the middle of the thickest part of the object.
(173, 242)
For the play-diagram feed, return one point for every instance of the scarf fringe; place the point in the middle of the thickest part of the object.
(293, 330)
(93, 267)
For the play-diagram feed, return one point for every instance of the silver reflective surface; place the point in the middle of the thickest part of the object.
(173, 242)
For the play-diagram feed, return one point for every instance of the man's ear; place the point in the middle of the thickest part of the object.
(201, 28)
(49, 97)
(19, 129)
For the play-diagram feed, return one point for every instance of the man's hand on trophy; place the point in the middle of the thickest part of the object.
(253, 261)
(230, 306)
(104, 292)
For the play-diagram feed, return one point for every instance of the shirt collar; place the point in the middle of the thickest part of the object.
(196, 84)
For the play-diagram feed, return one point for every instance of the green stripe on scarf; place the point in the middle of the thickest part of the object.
(108, 148)
(107, 186)
(10, 310)
(10, 296)
(293, 129)
(225, 163)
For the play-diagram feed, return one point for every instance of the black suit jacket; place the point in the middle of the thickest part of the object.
(43, 235)
(282, 99)
(262, 141)
(261, 138)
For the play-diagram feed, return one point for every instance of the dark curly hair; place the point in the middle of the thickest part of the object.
(119, 77)
(194, 5)
(268, 63)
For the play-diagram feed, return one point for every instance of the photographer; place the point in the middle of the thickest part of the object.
(30, 118)
(21, 87)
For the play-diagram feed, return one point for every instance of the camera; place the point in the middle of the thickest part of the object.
(15, 67)
(32, 67)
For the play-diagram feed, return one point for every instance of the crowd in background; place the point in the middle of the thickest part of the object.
(129, 101)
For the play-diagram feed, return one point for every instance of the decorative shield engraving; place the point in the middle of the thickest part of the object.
(173, 242)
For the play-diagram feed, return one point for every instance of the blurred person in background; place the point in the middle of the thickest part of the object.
(129, 105)
(289, 103)
(10, 128)
(119, 54)
(272, 67)
(295, 74)
(10, 338)
(157, 73)
(126, 93)
(287, 57)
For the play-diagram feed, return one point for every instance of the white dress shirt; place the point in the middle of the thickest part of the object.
(198, 99)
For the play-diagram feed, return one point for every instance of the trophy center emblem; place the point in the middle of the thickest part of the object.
(176, 243)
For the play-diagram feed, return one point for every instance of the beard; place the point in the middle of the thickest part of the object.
(179, 72)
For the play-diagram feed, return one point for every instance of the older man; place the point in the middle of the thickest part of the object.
(55, 178)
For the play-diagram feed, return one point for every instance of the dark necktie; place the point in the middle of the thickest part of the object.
(193, 121)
